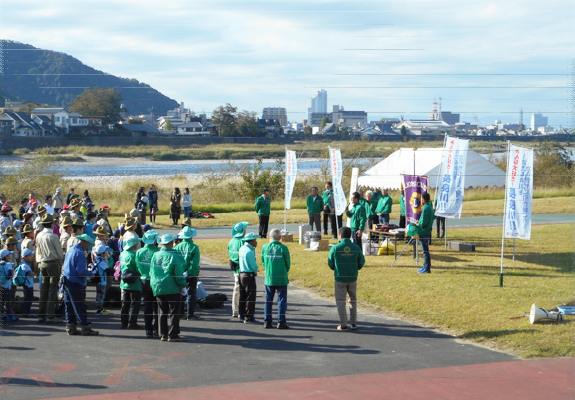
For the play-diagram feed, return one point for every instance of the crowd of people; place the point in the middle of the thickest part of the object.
(67, 243)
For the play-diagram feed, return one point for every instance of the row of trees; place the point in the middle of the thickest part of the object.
(230, 122)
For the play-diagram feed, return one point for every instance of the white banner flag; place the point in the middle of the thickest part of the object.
(519, 193)
(452, 178)
(291, 173)
(336, 172)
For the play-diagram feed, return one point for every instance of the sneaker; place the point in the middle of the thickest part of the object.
(12, 318)
(424, 271)
(54, 320)
(177, 339)
(353, 327)
(283, 326)
(123, 326)
(342, 328)
(41, 320)
(268, 325)
(149, 334)
(192, 317)
(241, 320)
(156, 334)
(164, 338)
(135, 327)
(235, 316)
(88, 331)
(251, 321)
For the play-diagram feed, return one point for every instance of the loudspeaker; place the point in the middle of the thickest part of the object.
(539, 314)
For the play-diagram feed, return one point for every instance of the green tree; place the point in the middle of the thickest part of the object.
(307, 130)
(247, 124)
(98, 102)
(168, 126)
(223, 118)
(552, 166)
(258, 177)
(403, 130)
(324, 121)
(521, 127)
(381, 121)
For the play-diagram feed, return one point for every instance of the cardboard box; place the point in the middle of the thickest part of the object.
(460, 246)
(323, 245)
(287, 238)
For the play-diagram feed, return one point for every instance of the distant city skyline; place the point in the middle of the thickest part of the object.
(388, 58)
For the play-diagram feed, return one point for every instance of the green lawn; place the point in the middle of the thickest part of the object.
(462, 294)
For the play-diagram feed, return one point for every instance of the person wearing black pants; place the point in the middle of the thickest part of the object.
(262, 207)
(248, 273)
(150, 309)
(264, 222)
(169, 306)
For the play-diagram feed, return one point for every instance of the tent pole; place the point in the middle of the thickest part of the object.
(513, 249)
(445, 233)
(504, 214)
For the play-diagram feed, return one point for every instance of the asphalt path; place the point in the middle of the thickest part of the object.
(41, 361)
(466, 222)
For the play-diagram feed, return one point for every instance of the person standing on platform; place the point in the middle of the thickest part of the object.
(425, 226)
(234, 245)
(384, 207)
(345, 259)
(358, 218)
(314, 208)
(263, 207)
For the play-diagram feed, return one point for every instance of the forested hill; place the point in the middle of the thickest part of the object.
(45, 76)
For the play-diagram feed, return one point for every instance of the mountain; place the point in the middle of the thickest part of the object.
(49, 77)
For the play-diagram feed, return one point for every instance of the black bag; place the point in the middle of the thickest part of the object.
(130, 277)
(113, 297)
(215, 300)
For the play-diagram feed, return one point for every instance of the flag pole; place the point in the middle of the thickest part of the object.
(285, 190)
(504, 215)
(437, 185)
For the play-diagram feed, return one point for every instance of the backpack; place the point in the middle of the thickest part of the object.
(19, 277)
(215, 300)
(117, 270)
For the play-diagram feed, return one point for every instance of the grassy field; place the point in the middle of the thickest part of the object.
(461, 296)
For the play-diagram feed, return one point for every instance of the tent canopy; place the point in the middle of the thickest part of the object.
(479, 172)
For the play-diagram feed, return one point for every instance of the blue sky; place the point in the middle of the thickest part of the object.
(390, 58)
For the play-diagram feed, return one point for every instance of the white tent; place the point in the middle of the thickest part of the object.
(387, 174)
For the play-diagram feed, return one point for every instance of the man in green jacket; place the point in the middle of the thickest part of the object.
(327, 197)
(131, 286)
(425, 226)
(191, 253)
(370, 206)
(314, 208)
(262, 207)
(143, 261)
(358, 218)
(276, 261)
(345, 259)
(238, 233)
(167, 280)
(384, 207)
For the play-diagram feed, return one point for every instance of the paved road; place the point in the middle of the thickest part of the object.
(41, 361)
(224, 232)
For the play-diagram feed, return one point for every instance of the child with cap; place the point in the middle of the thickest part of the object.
(5, 219)
(6, 272)
(131, 285)
(23, 276)
(11, 244)
(100, 263)
(66, 232)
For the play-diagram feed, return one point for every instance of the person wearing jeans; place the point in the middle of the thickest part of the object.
(187, 203)
(191, 254)
(425, 226)
(276, 261)
(248, 273)
(384, 207)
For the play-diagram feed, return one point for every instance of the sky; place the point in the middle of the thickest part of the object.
(485, 59)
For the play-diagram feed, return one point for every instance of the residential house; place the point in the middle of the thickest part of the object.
(21, 124)
(137, 129)
(192, 129)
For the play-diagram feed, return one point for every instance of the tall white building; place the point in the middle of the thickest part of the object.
(538, 120)
(317, 104)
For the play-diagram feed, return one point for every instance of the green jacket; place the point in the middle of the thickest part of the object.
(128, 263)
(314, 207)
(325, 197)
(384, 205)
(345, 259)
(357, 215)
(144, 260)
(369, 208)
(191, 253)
(426, 220)
(376, 196)
(262, 205)
(167, 272)
(234, 249)
(276, 261)
(401, 205)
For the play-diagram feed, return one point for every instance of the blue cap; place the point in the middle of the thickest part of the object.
(165, 239)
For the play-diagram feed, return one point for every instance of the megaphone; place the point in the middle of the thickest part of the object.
(539, 314)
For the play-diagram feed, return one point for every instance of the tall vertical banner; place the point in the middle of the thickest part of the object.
(354, 177)
(519, 193)
(336, 173)
(291, 173)
(452, 178)
(414, 187)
